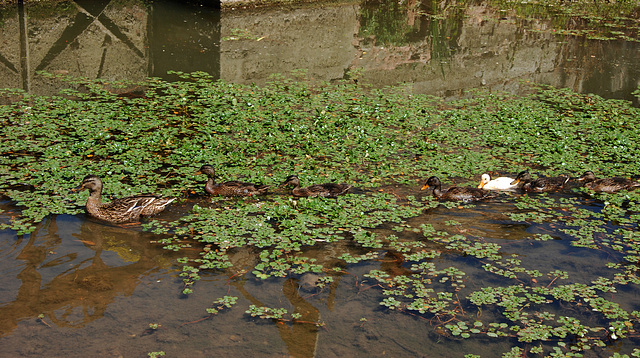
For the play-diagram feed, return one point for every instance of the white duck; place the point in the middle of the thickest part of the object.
(501, 183)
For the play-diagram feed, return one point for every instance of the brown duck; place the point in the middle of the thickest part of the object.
(539, 185)
(120, 210)
(327, 190)
(454, 193)
(607, 185)
(229, 188)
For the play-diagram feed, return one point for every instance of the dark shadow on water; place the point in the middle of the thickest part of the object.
(184, 37)
(70, 271)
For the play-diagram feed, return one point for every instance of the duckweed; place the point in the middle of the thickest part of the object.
(467, 284)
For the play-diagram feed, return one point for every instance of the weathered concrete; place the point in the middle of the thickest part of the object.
(95, 52)
(487, 49)
(487, 53)
(320, 40)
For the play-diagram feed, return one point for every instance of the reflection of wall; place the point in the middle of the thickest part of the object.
(496, 51)
(608, 68)
(319, 39)
(91, 39)
(183, 37)
(71, 271)
(10, 51)
(487, 53)
(443, 57)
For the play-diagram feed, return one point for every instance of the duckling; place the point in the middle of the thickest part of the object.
(229, 188)
(539, 185)
(120, 210)
(501, 183)
(607, 185)
(327, 190)
(454, 193)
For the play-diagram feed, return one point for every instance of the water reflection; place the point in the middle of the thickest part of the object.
(89, 16)
(304, 295)
(106, 39)
(183, 37)
(79, 273)
(71, 270)
(439, 48)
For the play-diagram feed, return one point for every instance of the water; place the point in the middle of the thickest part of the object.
(98, 287)
(479, 47)
(103, 285)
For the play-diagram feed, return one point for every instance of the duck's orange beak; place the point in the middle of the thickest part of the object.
(481, 185)
(517, 181)
(426, 186)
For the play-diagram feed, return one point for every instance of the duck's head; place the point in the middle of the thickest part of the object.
(207, 170)
(90, 182)
(291, 180)
(432, 182)
(523, 177)
(484, 180)
(588, 176)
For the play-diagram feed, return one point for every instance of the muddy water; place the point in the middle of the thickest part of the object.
(80, 288)
(443, 55)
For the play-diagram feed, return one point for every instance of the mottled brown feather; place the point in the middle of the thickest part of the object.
(454, 193)
(540, 185)
(123, 209)
(607, 185)
(229, 188)
(327, 190)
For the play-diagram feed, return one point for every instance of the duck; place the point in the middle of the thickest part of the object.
(540, 185)
(229, 188)
(454, 193)
(327, 190)
(120, 210)
(607, 185)
(501, 183)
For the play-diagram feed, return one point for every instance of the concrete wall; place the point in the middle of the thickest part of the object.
(483, 48)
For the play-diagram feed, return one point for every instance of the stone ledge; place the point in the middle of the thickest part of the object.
(253, 4)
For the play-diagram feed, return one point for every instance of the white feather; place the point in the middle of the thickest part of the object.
(501, 183)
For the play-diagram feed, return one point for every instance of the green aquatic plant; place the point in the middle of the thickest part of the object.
(453, 273)
(589, 19)
(278, 314)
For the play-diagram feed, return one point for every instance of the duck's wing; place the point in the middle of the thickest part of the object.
(612, 185)
(548, 184)
(158, 204)
(328, 190)
(124, 209)
(334, 189)
(466, 194)
(501, 183)
(237, 188)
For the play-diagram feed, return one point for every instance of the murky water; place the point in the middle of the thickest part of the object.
(102, 285)
(480, 47)
(97, 287)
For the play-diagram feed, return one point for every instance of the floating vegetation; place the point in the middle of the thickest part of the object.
(464, 283)
(593, 20)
